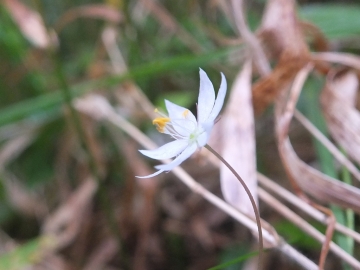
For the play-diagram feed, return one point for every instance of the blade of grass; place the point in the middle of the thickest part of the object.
(335, 20)
(49, 101)
(349, 214)
(76, 122)
(235, 261)
(313, 113)
(25, 255)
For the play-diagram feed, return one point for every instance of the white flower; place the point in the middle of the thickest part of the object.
(189, 133)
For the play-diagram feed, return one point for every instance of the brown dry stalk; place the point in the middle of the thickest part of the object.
(307, 208)
(310, 180)
(94, 11)
(104, 111)
(258, 54)
(308, 228)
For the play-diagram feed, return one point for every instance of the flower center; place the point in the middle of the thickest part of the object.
(195, 135)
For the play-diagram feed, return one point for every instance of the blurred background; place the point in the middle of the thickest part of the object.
(69, 198)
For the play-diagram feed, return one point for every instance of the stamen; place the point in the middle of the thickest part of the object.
(172, 132)
(160, 113)
(160, 123)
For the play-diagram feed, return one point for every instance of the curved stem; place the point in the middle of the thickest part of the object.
(253, 203)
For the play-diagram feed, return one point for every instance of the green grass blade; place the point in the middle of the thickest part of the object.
(45, 102)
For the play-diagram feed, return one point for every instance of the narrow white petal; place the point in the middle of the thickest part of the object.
(219, 99)
(179, 159)
(151, 175)
(183, 126)
(166, 151)
(178, 112)
(206, 97)
(183, 120)
(204, 137)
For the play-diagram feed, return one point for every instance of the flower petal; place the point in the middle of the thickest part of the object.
(206, 97)
(219, 99)
(151, 175)
(204, 137)
(179, 159)
(178, 112)
(183, 120)
(166, 151)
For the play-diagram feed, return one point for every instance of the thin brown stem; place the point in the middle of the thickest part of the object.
(253, 203)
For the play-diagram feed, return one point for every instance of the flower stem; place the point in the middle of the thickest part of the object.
(256, 211)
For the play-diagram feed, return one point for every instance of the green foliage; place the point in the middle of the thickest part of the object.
(233, 258)
(295, 236)
(310, 106)
(163, 65)
(25, 255)
(335, 20)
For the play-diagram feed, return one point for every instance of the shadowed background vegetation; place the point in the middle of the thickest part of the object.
(68, 195)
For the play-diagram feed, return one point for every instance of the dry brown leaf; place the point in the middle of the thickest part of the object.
(310, 180)
(66, 222)
(102, 254)
(317, 38)
(238, 145)
(338, 100)
(13, 148)
(280, 29)
(265, 90)
(30, 24)
(94, 11)
(233, 137)
(23, 200)
(281, 33)
(258, 55)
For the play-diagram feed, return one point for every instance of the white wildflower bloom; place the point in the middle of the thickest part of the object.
(189, 133)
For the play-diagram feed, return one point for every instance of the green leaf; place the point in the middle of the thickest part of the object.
(26, 254)
(52, 101)
(237, 262)
(295, 236)
(335, 21)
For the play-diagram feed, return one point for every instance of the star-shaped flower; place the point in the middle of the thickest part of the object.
(189, 133)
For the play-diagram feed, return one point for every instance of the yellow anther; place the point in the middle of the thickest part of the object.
(156, 110)
(185, 113)
(160, 123)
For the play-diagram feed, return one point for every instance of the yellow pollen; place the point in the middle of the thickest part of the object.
(156, 110)
(160, 123)
(185, 113)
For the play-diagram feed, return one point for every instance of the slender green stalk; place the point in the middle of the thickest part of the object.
(253, 203)
(349, 214)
